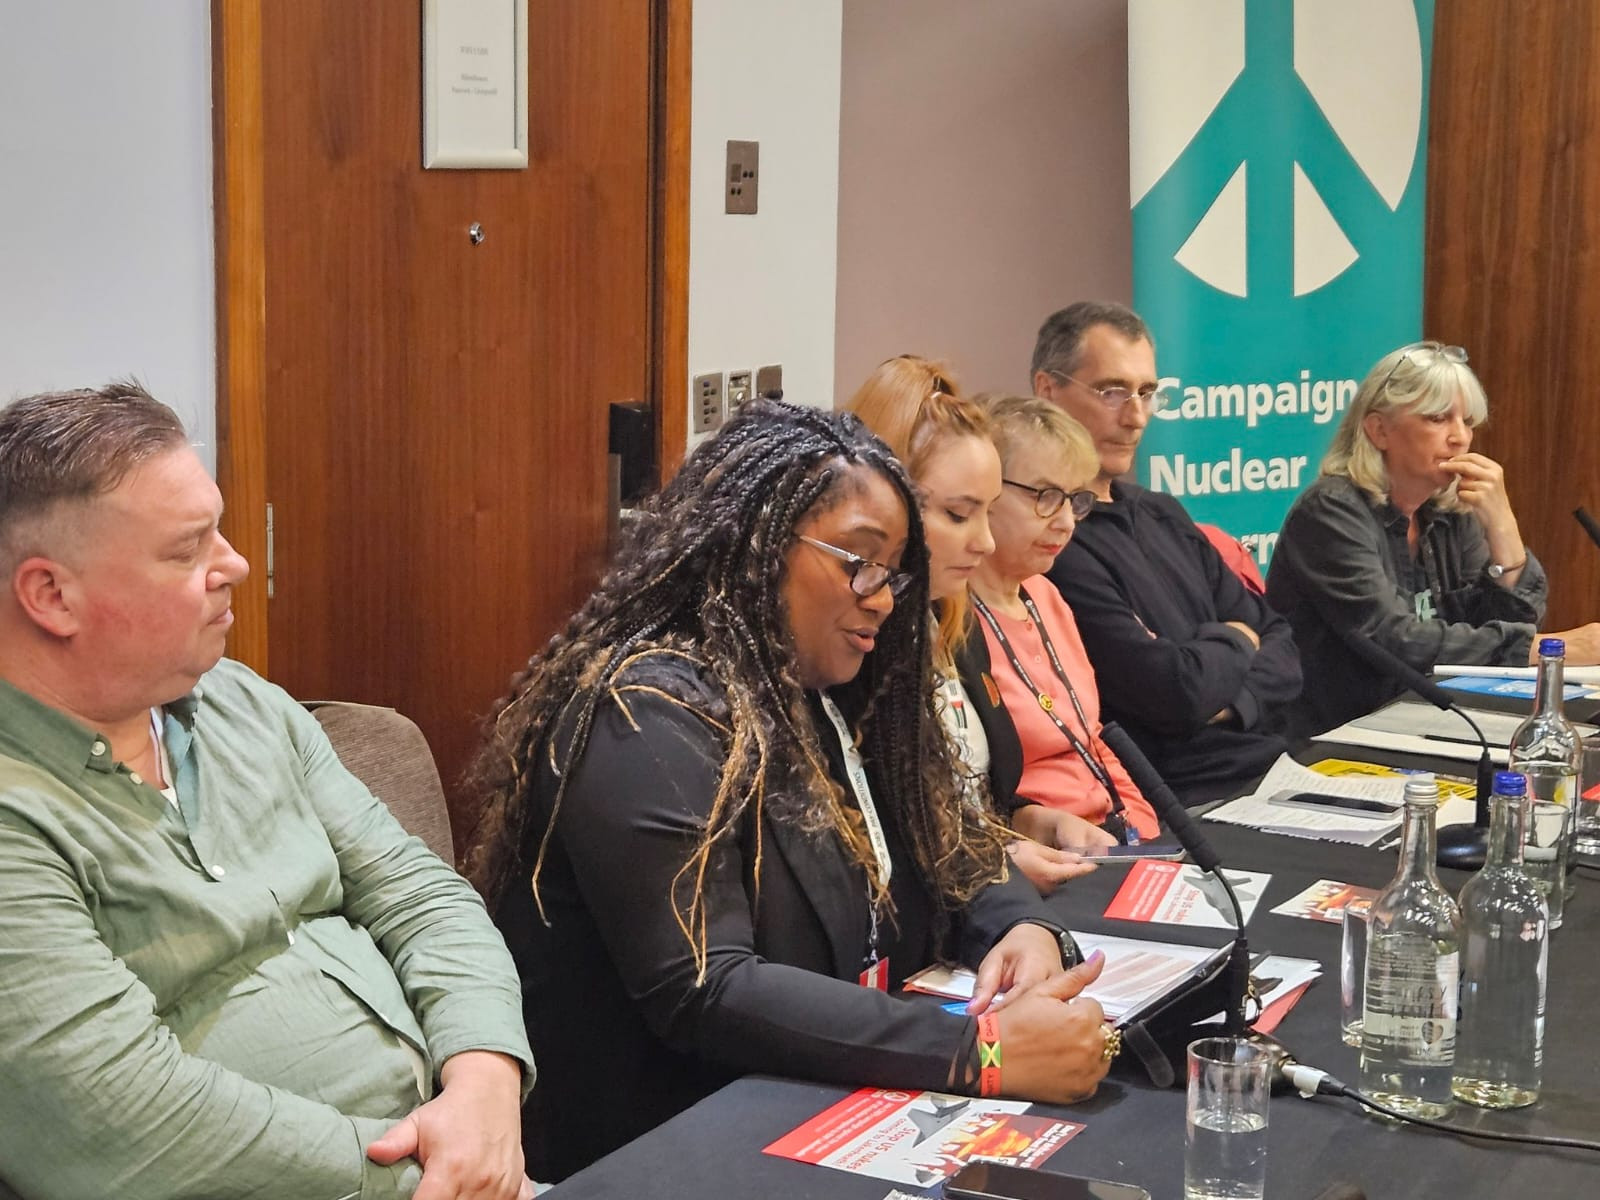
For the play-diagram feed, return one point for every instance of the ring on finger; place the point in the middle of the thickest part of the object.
(1110, 1042)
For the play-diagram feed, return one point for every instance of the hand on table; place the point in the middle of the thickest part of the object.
(1052, 1041)
(468, 1138)
(1027, 955)
(1583, 645)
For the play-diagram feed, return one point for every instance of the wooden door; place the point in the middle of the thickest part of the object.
(1513, 244)
(434, 411)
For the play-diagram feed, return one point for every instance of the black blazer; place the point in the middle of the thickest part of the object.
(1005, 748)
(623, 1034)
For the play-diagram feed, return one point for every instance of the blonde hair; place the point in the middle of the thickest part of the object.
(1399, 381)
(915, 406)
(1015, 421)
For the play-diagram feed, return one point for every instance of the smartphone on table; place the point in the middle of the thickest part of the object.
(998, 1181)
(1353, 806)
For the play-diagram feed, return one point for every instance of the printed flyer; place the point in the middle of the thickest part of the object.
(1175, 894)
(920, 1138)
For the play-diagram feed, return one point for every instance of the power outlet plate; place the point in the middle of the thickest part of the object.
(707, 403)
(769, 382)
(743, 177)
(738, 390)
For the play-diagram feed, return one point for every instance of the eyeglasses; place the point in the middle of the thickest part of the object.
(1047, 502)
(1153, 397)
(1453, 354)
(867, 578)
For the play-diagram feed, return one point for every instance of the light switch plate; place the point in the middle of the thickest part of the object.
(743, 176)
(707, 402)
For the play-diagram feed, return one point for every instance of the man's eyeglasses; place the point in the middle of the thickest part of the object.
(1152, 397)
(1453, 354)
(867, 578)
(1047, 502)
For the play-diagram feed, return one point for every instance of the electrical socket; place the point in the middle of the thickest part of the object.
(707, 402)
(769, 382)
(743, 177)
(738, 390)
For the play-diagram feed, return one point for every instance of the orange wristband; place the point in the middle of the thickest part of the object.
(989, 1055)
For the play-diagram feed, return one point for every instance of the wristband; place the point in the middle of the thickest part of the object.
(989, 1055)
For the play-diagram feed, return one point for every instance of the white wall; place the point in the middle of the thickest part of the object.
(105, 209)
(761, 288)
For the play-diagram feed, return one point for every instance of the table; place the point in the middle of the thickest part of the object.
(1134, 1132)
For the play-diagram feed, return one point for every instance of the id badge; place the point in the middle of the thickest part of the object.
(876, 975)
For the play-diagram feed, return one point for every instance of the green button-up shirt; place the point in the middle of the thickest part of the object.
(226, 997)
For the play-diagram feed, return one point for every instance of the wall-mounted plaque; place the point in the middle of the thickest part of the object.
(475, 83)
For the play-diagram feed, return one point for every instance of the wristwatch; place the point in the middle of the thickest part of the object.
(1498, 569)
(1071, 953)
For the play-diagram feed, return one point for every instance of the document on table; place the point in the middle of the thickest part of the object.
(1584, 675)
(1288, 777)
(1416, 728)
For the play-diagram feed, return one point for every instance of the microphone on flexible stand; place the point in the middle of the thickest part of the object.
(1176, 818)
(1590, 525)
(1460, 846)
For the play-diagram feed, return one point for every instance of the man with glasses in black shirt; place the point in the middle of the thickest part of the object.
(1196, 668)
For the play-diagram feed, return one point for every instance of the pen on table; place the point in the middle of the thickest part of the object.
(1445, 737)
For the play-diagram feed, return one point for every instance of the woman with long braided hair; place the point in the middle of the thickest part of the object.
(722, 817)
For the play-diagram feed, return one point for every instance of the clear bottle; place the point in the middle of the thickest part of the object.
(1546, 748)
(1408, 1035)
(1504, 942)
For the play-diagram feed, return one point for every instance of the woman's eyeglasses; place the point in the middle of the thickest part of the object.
(1048, 501)
(867, 578)
(1453, 354)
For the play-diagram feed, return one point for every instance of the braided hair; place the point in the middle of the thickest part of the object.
(698, 576)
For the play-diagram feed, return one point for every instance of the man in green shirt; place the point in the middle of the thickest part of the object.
(224, 968)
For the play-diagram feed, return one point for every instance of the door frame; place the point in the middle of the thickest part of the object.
(241, 274)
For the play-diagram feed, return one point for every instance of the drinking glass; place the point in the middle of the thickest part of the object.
(1225, 1143)
(1586, 808)
(1544, 852)
(1352, 970)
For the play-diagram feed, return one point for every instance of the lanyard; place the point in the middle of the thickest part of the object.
(857, 771)
(1090, 760)
(876, 975)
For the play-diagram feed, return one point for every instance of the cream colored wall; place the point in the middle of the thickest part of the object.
(105, 216)
(761, 288)
(983, 178)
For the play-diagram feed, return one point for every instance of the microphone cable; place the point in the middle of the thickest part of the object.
(1311, 1082)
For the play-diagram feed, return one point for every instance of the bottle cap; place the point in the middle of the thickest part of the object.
(1510, 783)
(1422, 784)
(1552, 648)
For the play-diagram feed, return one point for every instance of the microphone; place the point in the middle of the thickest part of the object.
(1176, 818)
(1461, 846)
(1590, 525)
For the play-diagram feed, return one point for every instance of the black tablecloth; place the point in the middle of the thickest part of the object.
(1135, 1132)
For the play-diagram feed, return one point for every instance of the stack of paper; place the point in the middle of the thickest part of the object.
(1287, 777)
(1412, 727)
(1136, 971)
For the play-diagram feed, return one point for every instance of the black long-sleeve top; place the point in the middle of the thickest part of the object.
(1343, 569)
(1152, 599)
(624, 1036)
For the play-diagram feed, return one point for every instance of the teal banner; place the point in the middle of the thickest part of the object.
(1277, 168)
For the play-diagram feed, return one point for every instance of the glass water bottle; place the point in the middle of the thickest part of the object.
(1546, 748)
(1408, 1036)
(1505, 938)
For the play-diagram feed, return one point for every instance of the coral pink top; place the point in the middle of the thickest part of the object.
(1053, 773)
